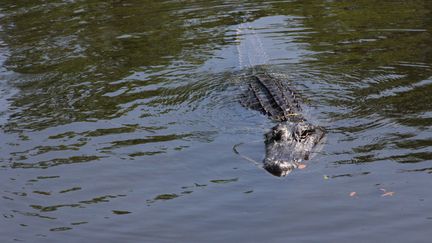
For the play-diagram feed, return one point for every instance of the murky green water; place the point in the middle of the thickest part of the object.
(118, 121)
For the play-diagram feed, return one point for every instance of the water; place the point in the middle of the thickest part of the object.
(118, 121)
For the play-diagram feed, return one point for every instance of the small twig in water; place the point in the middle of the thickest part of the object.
(243, 156)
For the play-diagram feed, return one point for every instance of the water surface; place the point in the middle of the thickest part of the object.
(118, 121)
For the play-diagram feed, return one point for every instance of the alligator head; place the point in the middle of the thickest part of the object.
(288, 144)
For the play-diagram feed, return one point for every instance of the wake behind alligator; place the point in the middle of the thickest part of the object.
(293, 139)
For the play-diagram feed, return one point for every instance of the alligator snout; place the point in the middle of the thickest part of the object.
(279, 167)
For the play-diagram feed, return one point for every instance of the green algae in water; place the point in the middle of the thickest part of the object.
(120, 212)
(166, 196)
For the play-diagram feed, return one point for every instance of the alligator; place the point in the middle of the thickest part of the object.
(293, 139)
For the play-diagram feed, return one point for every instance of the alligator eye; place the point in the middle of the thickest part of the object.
(305, 133)
(277, 136)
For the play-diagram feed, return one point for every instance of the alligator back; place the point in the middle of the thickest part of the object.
(272, 98)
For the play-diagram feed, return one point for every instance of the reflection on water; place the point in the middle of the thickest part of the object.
(118, 120)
